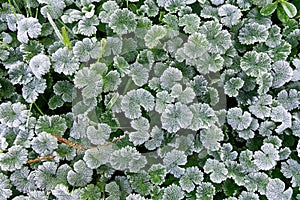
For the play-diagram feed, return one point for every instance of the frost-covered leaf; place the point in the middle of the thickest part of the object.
(205, 190)
(276, 190)
(28, 28)
(267, 158)
(86, 49)
(64, 61)
(282, 73)
(192, 176)
(134, 99)
(219, 40)
(135, 197)
(190, 22)
(211, 137)
(96, 157)
(217, 2)
(89, 81)
(13, 114)
(203, 116)
(88, 26)
(40, 65)
(122, 21)
(252, 33)
(186, 96)
(237, 119)
(232, 86)
(113, 189)
(140, 183)
(226, 152)
(71, 15)
(172, 160)
(176, 116)
(154, 35)
(61, 192)
(65, 89)
(5, 187)
(230, 14)
(249, 132)
(173, 192)
(141, 135)
(33, 88)
(169, 77)
(157, 174)
(91, 192)
(209, 63)
(13, 159)
(290, 169)
(216, 169)
(289, 100)
(274, 38)
(12, 20)
(31, 49)
(162, 99)
(174, 5)
(81, 175)
(55, 125)
(150, 8)
(260, 106)
(255, 64)
(55, 102)
(111, 81)
(264, 82)
(53, 7)
(139, 74)
(122, 65)
(114, 46)
(156, 138)
(99, 135)
(248, 195)
(279, 114)
(127, 158)
(48, 175)
(257, 181)
(281, 51)
(108, 8)
(44, 143)
(194, 48)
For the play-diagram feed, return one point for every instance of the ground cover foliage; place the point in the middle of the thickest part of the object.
(135, 100)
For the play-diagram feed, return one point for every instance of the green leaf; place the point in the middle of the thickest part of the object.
(65, 37)
(282, 16)
(268, 9)
(289, 9)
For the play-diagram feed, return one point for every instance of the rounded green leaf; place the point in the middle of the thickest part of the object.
(282, 16)
(289, 8)
(268, 9)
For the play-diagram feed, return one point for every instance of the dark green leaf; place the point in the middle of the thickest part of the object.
(282, 16)
(289, 9)
(268, 9)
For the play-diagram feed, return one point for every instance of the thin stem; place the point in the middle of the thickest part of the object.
(28, 115)
(68, 29)
(36, 13)
(37, 107)
(12, 9)
(17, 7)
(92, 123)
(103, 45)
(4, 44)
(127, 86)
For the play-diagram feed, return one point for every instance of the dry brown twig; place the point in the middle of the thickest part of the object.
(73, 145)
